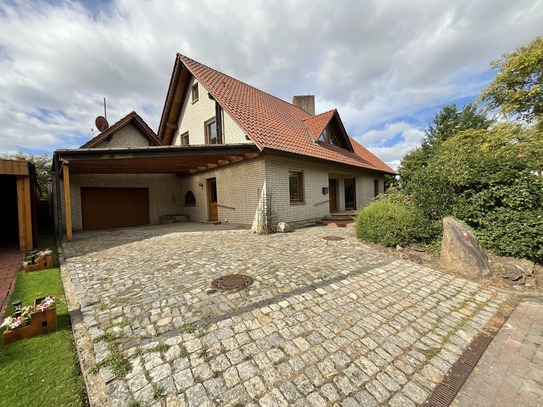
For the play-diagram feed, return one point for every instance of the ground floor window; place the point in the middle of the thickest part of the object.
(296, 186)
(350, 194)
(375, 187)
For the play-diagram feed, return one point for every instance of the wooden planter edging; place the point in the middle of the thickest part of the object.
(19, 333)
(44, 322)
(42, 263)
(40, 323)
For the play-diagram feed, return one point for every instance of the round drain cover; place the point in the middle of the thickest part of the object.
(232, 282)
(337, 238)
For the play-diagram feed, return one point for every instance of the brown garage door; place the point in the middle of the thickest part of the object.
(114, 207)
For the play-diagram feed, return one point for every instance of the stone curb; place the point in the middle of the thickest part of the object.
(95, 389)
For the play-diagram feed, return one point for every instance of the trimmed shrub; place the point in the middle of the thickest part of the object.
(391, 222)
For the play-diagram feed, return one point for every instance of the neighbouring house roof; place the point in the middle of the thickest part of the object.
(131, 118)
(271, 123)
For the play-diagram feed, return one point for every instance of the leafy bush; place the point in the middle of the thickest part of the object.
(488, 179)
(507, 212)
(391, 222)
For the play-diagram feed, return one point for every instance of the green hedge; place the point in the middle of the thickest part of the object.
(391, 222)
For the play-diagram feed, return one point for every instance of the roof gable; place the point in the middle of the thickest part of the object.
(271, 123)
(316, 124)
(330, 120)
(131, 118)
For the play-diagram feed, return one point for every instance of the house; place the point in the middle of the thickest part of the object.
(225, 151)
(20, 197)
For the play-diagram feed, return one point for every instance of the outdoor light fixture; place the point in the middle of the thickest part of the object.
(200, 184)
(325, 190)
(33, 254)
(17, 306)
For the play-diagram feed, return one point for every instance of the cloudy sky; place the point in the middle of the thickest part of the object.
(387, 65)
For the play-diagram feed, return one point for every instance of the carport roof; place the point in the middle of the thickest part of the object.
(153, 160)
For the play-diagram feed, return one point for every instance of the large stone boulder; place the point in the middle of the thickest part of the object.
(461, 252)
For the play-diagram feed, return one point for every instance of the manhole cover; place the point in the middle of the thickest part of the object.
(232, 282)
(336, 238)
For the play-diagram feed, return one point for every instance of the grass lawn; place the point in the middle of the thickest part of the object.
(44, 370)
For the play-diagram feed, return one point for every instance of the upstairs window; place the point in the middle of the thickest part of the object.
(211, 131)
(185, 139)
(194, 93)
(296, 186)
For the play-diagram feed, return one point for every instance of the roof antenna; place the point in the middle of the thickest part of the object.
(101, 121)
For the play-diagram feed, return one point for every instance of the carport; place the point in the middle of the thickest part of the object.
(20, 196)
(178, 160)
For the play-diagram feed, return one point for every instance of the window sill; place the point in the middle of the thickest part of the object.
(194, 101)
(189, 205)
(297, 202)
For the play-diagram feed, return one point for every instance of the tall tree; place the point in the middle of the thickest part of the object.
(448, 122)
(43, 167)
(517, 89)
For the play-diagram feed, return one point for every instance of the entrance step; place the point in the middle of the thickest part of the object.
(338, 221)
(210, 222)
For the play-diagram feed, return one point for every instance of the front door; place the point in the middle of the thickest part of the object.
(350, 194)
(332, 190)
(212, 199)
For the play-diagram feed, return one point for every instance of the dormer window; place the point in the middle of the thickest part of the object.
(328, 136)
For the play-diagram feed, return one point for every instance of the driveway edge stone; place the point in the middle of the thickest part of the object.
(94, 387)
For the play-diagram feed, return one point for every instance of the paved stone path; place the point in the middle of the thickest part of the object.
(510, 372)
(10, 260)
(325, 322)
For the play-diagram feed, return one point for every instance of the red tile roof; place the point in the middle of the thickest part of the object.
(133, 118)
(272, 123)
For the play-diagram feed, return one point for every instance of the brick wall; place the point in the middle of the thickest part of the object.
(127, 136)
(239, 186)
(244, 188)
(315, 176)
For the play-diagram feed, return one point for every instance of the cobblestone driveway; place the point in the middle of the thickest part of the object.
(325, 322)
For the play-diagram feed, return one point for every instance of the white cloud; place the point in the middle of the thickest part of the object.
(379, 62)
(392, 142)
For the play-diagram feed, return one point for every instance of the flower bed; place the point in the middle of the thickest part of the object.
(38, 261)
(40, 318)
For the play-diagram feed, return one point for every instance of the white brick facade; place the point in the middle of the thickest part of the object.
(315, 177)
(239, 186)
(194, 115)
(127, 136)
(243, 187)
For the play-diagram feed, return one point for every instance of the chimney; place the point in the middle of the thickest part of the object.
(306, 103)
